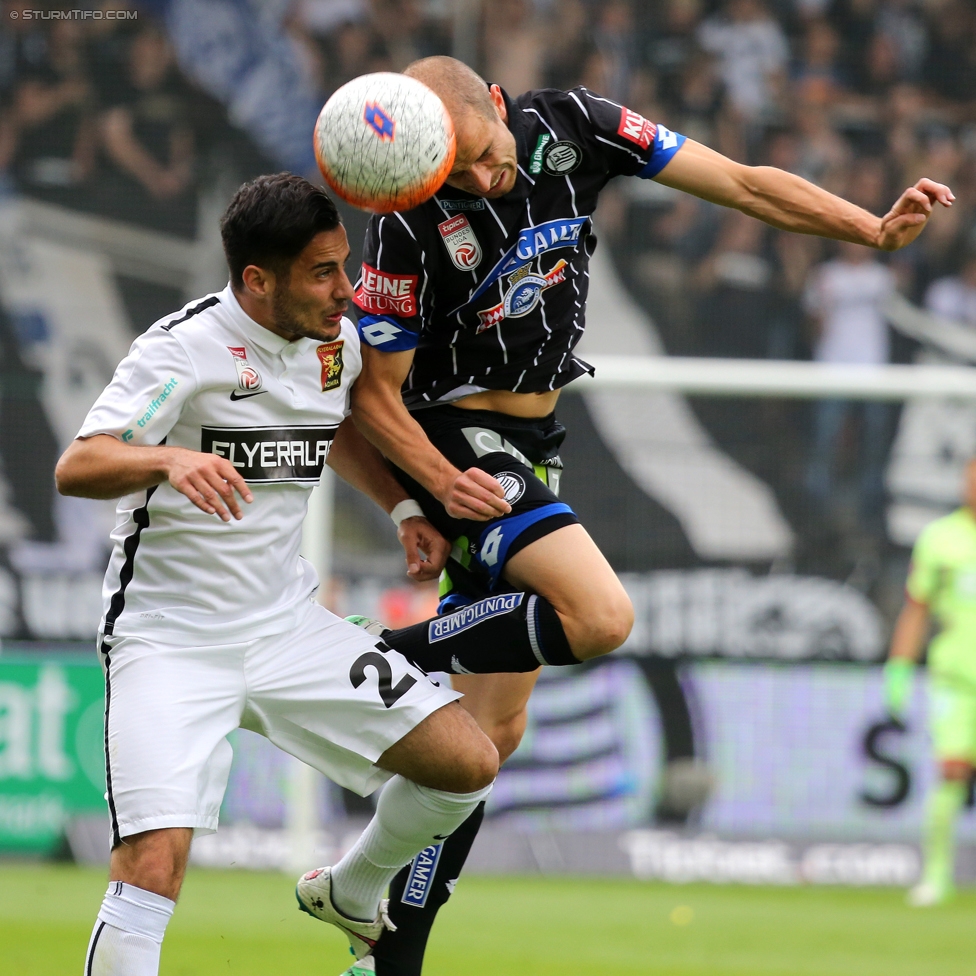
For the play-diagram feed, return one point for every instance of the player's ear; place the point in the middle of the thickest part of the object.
(258, 281)
(498, 100)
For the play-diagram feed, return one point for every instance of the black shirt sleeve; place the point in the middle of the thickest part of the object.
(392, 285)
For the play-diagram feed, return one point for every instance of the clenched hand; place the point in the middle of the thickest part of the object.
(475, 494)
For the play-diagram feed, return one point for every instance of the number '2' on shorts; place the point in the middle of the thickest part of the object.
(325, 691)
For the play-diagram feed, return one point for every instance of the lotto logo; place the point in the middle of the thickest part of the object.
(379, 122)
(635, 128)
(376, 333)
(380, 292)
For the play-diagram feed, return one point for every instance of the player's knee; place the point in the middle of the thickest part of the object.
(478, 768)
(604, 627)
(956, 770)
(506, 733)
(154, 861)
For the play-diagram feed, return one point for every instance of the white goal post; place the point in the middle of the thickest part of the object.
(786, 378)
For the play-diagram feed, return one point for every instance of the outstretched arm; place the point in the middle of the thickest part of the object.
(378, 411)
(791, 203)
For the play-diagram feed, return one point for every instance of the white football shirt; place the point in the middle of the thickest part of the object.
(211, 379)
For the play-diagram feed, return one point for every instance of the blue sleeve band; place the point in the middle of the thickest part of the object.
(495, 540)
(666, 144)
(386, 334)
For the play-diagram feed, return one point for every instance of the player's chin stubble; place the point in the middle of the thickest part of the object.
(304, 319)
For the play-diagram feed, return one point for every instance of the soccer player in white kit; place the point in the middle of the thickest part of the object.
(213, 432)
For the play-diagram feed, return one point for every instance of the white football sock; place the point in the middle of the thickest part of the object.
(129, 931)
(408, 819)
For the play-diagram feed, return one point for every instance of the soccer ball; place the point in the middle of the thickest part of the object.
(384, 142)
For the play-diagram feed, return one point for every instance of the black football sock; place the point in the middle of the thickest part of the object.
(510, 632)
(416, 894)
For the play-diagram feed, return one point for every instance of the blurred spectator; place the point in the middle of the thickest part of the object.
(23, 46)
(845, 297)
(108, 51)
(854, 21)
(795, 255)
(614, 36)
(735, 283)
(823, 155)
(753, 54)
(950, 66)
(320, 17)
(514, 46)
(407, 32)
(47, 136)
(817, 77)
(353, 49)
(567, 43)
(954, 296)
(149, 142)
(672, 46)
(698, 100)
(902, 24)
(882, 67)
(867, 184)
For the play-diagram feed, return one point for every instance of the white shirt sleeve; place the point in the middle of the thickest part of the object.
(147, 393)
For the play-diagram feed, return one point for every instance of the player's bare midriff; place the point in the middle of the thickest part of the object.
(513, 404)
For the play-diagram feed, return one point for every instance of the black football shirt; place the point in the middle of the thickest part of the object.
(492, 293)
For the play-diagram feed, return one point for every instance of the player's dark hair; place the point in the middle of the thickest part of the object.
(271, 220)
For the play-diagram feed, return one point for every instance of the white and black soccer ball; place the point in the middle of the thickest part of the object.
(384, 142)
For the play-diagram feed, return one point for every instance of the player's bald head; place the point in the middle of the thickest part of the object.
(458, 87)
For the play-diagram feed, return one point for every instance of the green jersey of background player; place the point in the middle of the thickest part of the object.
(941, 586)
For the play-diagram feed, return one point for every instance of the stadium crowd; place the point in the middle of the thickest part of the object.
(860, 96)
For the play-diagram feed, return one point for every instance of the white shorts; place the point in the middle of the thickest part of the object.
(324, 692)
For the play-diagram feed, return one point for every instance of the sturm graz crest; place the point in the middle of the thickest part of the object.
(561, 158)
(512, 484)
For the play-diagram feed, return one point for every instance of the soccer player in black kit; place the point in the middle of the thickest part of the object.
(471, 305)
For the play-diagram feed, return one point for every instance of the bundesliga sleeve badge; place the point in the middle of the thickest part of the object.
(462, 245)
(248, 378)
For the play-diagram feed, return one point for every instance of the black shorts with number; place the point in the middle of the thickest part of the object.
(523, 454)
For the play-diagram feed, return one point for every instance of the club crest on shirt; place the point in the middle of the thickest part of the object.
(248, 378)
(562, 158)
(330, 356)
(462, 245)
(525, 288)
